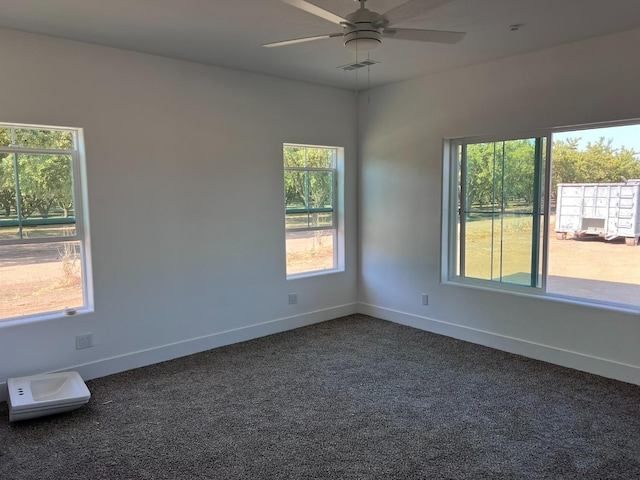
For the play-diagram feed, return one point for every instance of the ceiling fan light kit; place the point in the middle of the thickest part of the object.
(363, 30)
(363, 40)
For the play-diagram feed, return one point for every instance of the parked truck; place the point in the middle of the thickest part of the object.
(609, 210)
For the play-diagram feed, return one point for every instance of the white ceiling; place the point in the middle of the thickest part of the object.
(229, 33)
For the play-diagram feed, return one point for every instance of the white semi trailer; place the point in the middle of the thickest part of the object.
(609, 210)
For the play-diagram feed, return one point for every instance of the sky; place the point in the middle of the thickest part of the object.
(627, 136)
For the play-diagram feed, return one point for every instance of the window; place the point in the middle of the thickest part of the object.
(311, 216)
(43, 238)
(553, 213)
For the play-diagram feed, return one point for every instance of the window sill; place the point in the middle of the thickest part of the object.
(316, 273)
(539, 294)
(42, 317)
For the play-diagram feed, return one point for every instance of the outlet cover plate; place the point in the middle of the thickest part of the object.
(84, 341)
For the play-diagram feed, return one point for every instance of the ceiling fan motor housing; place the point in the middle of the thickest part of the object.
(362, 30)
(363, 33)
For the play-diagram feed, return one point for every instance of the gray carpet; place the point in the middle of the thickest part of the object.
(353, 398)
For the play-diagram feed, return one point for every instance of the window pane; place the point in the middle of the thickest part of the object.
(40, 278)
(294, 157)
(324, 219)
(303, 157)
(51, 139)
(297, 220)
(595, 218)
(320, 157)
(517, 249)
(8, 215)
(296, 189)
(478, 245)
(5, 137)
(310, 251)
(321, 190)
(501, 226)
(309, 204)
(54, 230)
(46, 195)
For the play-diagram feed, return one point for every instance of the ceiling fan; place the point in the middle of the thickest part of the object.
(363, 30)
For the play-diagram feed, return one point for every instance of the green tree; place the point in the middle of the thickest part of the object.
(599, 162)
(7, 183)
(45, 180)
(35, 194)
(7, 200)
(50, 139)
(57, 178)
(483, 179)
(519, 166)
(308, 189)
(294, 180)
(500, 172)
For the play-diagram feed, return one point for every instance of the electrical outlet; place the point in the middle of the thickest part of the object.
(84, 341)
(425, 299)
(293, 298)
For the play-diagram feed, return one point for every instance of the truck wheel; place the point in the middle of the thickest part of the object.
(561, 235)
(631, 241)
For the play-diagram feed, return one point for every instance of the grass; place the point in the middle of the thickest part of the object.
(499, 249)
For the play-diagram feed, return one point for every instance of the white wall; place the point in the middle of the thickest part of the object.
(184, 166)
(402, 128)
(205, 144)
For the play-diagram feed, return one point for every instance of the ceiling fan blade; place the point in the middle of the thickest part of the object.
(411, 9)
(301, 40)
(434, 36)
(317, 11)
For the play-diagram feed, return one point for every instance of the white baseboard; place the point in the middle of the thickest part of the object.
(566, 358)
(578, 361)
(142, 358)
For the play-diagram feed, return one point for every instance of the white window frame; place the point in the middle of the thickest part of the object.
(80, 206)
(338, 209)
(450, 247)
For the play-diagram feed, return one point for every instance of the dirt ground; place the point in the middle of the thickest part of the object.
(33, 278)
(37, 278)
(594, 268)
(308, 252)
